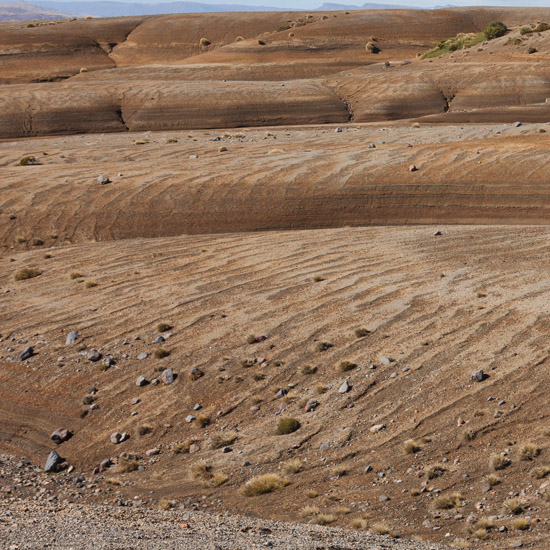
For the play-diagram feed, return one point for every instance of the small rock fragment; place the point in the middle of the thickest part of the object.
(344, 388)
(27, 352)
(103, 180)
(141, 381)
(60, 435)
(71, 338)
(168, 376)
(93, 355)
(53, 462)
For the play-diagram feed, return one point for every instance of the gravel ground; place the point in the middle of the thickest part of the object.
(25, 525)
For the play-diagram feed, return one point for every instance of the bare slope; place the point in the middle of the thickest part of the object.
(270, 179)
(437, 308)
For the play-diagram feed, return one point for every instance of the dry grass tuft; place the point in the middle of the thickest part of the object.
(361, 332)
(292, 467)
(312, 493)
(435, 470)
(342, 511)
(446, 502)
(307, 369)
(126, 465)
(358, 524)
(223, 440)
(346, 366)
(499, 462)
(160, 353)
(27, 273)
(528, 451)
(324, 519)
(263, 484)
(520, 524)
(90, 284)
(514, 506)
(163, 327)
(382, 529)
(411, 447)
(493, 480)
(541, 472)
(309, 511)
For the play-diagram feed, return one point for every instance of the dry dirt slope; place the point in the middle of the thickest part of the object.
(291, 178)
(233, 70)
(438, 307)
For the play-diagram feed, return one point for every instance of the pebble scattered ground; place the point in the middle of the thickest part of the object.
(26, 525)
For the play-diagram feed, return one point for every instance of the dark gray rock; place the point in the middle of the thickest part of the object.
(94, 355)
(281, 393)
(27, 352)
(478, 375)
(53, 462)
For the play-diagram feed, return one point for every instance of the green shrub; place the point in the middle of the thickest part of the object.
(525, 30)
(495, 29)
(287, 426)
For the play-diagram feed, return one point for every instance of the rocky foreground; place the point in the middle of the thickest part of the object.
(38, 511)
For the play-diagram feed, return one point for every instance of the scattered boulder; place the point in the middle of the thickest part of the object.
(143, 355)
(377, 428)
(152, 452)
(53, 462)
(281, 393)
(26, 353)
(478, 375)
(94, 355)
(168, 376)
(413, 168)
(117, 437)
(103, 180)
(141, 381)
(311, 405)
(104, 464)
(108, 362)
(517, 124)
(71, 338)
(159, 340)
(345, 387)
(195, 374)
(189, 418)
(60, 435)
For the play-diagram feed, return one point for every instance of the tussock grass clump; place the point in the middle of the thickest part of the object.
(542, 27)
(342, 511)
(160, 353)
(254, 339)
(203, 473)
(308, 511)
(165, 504)
(287, 426)
(436, 470)
(499, 462)
(346, 366)
(28, 160)
(323, 346)
(90, 284)
(358, 524)
(292, 467)
(514, 506)
(371, 47)
(202, 420)
(318, 278)
(382, 529)
(529, 451)
(493, 480)
(75, 275)
(482, 523)
(468, 435)
(411, 447)
(126, 465)
(308, 370)
(312, 493)
(183, 446)
(541, 472)
(239, 39)
(263, 484)
(446, 502)
(481, 534)
(204, 42)
(27, 273)
(113, 481)
(163, 327)
(144, 430)
(339, 471)
(220, 440)
(324, 519)
(520, 524)
(361, 332)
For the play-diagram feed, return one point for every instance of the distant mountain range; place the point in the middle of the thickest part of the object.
(59, 9)
(24, 11)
